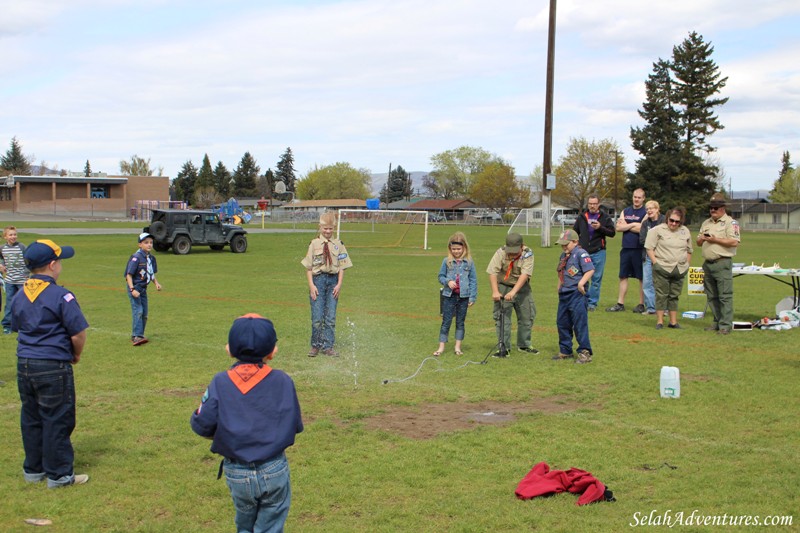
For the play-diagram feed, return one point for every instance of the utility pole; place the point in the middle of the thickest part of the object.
(616, 181)
(547, 163)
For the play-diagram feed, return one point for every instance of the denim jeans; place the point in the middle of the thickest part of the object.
(47, 419)
(323, 312)
(11, 290)
(647, 286)
(139, 312)
(599, 262)
(453, 305)
(572, 318)
(261, 492)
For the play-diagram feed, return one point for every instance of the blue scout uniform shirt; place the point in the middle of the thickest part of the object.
(251, 413)
(46, 316)
(572, 267)
(142, 267)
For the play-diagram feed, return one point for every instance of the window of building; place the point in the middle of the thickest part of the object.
(753, 218)
(100, 191)
(5, 194)
(776, 218)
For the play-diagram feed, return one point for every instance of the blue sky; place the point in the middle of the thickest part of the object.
(374, 82)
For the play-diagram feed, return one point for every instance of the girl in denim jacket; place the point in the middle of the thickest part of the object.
(459, 289)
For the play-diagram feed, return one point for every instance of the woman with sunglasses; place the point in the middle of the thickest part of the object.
(669, 247)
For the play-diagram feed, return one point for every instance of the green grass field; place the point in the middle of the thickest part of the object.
(730, 441)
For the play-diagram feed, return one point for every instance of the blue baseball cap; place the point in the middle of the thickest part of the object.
(43, 251)
(251, 338)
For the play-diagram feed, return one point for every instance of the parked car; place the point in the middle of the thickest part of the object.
(490, 216)
(181, 229)
(567, 220)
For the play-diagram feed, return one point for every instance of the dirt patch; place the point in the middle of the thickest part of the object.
(429, 420)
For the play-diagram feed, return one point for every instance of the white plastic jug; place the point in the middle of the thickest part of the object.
(670, 382)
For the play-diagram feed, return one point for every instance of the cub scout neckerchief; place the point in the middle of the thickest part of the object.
(247, 376)
(326, 253)
(34, 287)
(511, 265)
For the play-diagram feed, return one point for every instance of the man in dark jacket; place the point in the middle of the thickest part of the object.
(593, 227)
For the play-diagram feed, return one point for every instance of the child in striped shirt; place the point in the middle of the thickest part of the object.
(12, 265)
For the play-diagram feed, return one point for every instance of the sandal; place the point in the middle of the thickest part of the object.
(437, 353)
(459, 352)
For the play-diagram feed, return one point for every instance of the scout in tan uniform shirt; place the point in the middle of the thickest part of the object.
(719, 237)
(510, 271)
(325, 263)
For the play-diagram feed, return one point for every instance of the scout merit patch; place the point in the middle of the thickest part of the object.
(34, 287)
(573, 270)
(245, 377)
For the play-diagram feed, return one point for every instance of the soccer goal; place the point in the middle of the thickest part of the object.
(383, 228)
(529, 222)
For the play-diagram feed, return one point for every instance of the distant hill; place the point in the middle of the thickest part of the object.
(750, 195)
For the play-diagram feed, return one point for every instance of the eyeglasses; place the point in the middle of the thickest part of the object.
(712, 208)
(674, 221)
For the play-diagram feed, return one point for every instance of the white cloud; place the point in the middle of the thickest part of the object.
(372, 81)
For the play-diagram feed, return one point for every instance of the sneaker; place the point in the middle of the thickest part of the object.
(711, 328)
(639, 309)
(313, 352)
(649, 312)
(138, 341)
(331, 352)
(77, 479)
(616, 308)
(561, 356)
(592, 307)
(724, 332)
(528, 349)
(583, 357)
(659, 326)
(500, 353)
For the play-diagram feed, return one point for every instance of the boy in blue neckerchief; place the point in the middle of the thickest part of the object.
(252, 415)
(575, 269)
(140, 271)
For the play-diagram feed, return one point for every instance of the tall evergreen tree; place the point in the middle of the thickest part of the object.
(786, 163)
(184, 182)
(398, 184)
(244, 177)
(285, 172)
(784, 188)
(267, 184)
(87, 170)
(679, 117)
(205, 177)
(14, 161)
(222, 180)
(697, 81)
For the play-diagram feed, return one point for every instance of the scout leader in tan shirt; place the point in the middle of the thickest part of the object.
(719, 238)
(325, 263)
(510, 271)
